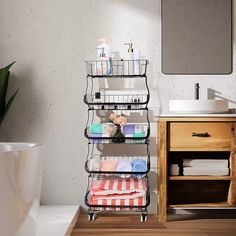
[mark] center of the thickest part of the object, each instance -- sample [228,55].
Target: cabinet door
[200,136]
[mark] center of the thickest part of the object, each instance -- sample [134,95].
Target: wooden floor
[181,225]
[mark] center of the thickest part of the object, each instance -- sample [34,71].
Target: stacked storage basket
[111,188]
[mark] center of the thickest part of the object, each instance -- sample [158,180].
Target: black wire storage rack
[102,103]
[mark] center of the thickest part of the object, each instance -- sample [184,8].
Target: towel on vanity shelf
[139,165]
[205,171]
[118,192]
[212,163]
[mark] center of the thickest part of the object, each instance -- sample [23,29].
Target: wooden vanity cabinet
[195,137]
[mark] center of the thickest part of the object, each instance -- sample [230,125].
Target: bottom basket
[117,194]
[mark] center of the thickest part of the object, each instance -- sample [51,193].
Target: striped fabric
[118,192]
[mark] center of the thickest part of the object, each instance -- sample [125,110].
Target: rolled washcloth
[139,165]
[109,165]
[94,164]
[205,171]
[213,163]
[124,165]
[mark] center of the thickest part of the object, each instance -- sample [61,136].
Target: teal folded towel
[139,165]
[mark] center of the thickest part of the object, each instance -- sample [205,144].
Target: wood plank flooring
[178,225]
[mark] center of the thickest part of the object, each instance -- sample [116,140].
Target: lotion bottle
[102,67]
[107,52]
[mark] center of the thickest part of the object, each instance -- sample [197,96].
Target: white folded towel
[213,163]
[205,171]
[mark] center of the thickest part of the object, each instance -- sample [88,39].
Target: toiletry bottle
[130,60]
[102,63]
[137,61]
[107,52]
[105,46]
[129,66]
[102,67]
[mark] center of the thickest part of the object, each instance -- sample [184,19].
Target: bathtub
[21,172]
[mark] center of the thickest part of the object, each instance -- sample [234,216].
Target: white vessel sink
[198,106]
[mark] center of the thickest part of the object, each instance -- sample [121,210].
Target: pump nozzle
[102,53]
[103,40]
[130,49]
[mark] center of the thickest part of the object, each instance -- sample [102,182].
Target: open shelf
[202,205]
[200,177]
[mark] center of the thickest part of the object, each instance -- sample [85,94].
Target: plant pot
[118,137]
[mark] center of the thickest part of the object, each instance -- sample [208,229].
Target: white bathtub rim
[25,146]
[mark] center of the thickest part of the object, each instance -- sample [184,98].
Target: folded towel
[214,163]
[129,129]
[96,129]
[118,192]
[129,188]
[139,165]
[205,171]
[109,165]
[124,165]
[122,203]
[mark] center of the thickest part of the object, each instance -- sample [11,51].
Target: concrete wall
[50,40]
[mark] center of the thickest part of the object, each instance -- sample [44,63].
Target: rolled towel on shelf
[205,171]
[94,164]
[213,163]
[109,165]
[124,165]
[139,165]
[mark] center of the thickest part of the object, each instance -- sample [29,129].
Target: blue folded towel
[139,165]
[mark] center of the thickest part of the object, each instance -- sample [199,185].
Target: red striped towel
[118,192]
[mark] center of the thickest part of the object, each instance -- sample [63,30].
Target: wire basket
[131,133]
[116,68]
[121,204]
[97,165]
[99,100]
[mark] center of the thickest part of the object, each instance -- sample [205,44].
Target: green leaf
[4,77]
[3,92]
[8,106]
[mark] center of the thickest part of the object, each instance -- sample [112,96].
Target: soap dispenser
[129,66]
[102,63]
[130,59]
[105,46]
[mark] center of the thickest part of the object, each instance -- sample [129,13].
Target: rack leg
[91,216]
[144,216]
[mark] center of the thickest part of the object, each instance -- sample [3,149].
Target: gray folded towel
[205,171]
[213,163]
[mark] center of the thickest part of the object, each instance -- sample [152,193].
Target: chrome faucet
[197,87]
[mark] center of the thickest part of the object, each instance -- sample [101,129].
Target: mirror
[196,36]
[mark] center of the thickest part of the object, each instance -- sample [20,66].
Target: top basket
[116,68]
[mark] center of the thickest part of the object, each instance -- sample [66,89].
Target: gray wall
[50,39]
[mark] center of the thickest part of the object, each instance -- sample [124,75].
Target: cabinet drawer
[200,136]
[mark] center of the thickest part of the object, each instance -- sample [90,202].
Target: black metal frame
[131,105]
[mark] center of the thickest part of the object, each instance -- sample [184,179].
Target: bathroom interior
[117,117]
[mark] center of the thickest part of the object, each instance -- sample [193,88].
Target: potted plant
[4,104]
[115,129]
